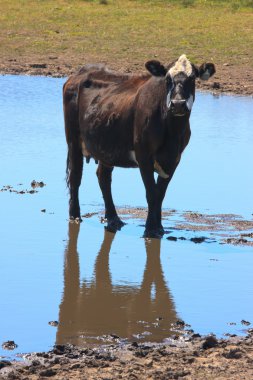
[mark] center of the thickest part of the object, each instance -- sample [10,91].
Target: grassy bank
[126,33]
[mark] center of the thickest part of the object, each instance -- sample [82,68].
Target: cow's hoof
[161,230]
[114,224]
[75,220]
[152,234]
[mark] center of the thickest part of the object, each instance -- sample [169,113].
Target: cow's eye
[192,79]
[170,83]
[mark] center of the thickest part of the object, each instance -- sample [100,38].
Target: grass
[127,33]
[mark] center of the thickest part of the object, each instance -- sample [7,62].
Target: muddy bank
[229,78]
[198,227]
[188,358]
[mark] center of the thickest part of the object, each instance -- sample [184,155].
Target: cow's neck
[176,125]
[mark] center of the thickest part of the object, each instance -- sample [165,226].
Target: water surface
[97,284]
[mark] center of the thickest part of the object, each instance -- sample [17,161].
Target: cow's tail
[74,155]
[67,170]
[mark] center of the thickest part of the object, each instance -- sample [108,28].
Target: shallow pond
[97,285]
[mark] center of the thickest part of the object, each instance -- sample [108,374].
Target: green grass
[127,33]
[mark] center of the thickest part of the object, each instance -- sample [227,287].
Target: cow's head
[180,79]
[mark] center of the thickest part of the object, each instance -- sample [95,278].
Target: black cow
[130,121]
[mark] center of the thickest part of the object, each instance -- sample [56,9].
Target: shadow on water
[99,311]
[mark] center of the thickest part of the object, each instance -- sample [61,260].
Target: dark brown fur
[111,115]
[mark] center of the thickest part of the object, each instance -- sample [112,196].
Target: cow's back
[106,112]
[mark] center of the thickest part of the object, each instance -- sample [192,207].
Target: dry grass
[125,33]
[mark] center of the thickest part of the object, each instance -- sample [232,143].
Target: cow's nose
[178,107]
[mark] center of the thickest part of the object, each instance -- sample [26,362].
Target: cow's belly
[109,155]
[109,140]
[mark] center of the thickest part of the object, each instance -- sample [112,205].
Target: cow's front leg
[147,173]
[161,188]
[104,174]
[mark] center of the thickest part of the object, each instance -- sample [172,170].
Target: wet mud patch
[195,358]
[218,228]
[34,185]
[9,345]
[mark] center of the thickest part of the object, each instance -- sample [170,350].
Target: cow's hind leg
[74,177]
[104,174]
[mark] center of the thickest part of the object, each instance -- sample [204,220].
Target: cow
[130,121]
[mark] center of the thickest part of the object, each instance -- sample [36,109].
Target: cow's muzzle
[178,107]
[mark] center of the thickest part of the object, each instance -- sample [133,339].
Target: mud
[34,185]
[189,358]
[9,345]
[229,78]
[221,228]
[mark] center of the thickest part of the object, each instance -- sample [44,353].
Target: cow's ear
[156,68]
[206,70]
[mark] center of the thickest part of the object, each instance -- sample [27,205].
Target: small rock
[53,323]
[210,342]
[189,359]
[172,238]
[198,240]
[180,323]
[48,372]
[141,353]
[246,323]
[38,65]
[149,363]
[75,366]
[235,353]
[196,336]
[9,345]
[4,363]
[89,214]
[59,349]
[114,336]
[35,184]
[216,85]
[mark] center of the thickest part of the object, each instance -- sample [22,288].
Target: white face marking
[168,101]
[182,65]
[160,171]
[189,102]
[132,156]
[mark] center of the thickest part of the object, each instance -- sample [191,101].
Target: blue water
[206,285]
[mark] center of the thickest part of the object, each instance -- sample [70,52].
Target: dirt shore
[189,358]
[229,78]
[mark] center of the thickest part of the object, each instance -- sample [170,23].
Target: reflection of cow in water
[100,308]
